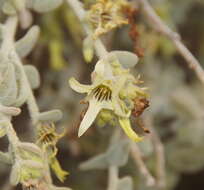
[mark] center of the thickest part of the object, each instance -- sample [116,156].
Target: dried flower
[47,140]
[105,15]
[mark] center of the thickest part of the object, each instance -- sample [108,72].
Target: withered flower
[106,15]
[47,139]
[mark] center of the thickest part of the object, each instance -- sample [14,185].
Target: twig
[136,155]
[159,151]
[112,178]
[162,28]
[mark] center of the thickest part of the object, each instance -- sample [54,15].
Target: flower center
[102,92]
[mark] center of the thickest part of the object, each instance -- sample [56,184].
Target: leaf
[51,116]
[26,44]
[42,6]
[97,162]
[116,155]
[126,58]
[8,86]
[33,76]
[22,91]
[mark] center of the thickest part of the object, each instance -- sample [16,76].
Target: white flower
[104,93]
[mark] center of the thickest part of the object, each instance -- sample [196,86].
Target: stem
[81,13]
[9,30]
[112,178]
[159,151]
[162,28]
[31,101]
[136,155]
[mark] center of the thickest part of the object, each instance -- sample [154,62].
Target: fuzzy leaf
[22,91]
[33,76]
[51,116]
[13,111]
[126,58]
[26,44]
[97,162]
[116,155]
[42,6]
[8,86]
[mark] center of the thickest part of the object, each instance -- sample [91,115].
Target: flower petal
[125,124]
[93,110]
[103,69]
[81,88]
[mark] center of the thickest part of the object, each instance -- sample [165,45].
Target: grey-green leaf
[33,76]
[8,86]
[42,6]
[116,155]
[126,58]
[51,116]
[97,162]
[26,44]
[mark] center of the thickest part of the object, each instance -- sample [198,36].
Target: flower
[47,140]
[105,15]
[111,89]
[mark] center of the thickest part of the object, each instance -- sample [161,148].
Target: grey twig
[136,156]
[159,152]
[162,28]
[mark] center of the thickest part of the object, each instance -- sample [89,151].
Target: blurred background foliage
[176,95]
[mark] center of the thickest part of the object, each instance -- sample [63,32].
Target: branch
[159,151]
[162,28]
[136,155]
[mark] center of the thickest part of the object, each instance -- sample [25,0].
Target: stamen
[102,92]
